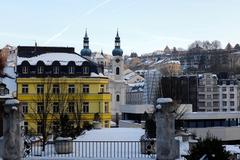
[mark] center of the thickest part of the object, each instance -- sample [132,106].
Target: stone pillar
[167,146]
[12,130]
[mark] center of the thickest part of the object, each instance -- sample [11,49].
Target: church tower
[86,52]
[117,60]
[117,86]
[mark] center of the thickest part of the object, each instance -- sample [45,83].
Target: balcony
[84,116]
[56,97]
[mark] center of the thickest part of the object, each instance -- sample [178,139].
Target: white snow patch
[113,134]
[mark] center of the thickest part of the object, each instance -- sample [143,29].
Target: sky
[144,25]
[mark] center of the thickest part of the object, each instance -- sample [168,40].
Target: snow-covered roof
[211,115]
[99,56]
[164,100]
[136,87]
[137,108]
[49,58]
[172,62]
[96,75]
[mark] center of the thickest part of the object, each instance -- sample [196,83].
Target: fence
[95,149]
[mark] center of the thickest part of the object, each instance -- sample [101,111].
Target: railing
[95,149]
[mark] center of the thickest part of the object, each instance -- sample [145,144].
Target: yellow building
[54,81]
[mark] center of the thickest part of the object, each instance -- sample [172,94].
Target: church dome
[86,52]
[117,52]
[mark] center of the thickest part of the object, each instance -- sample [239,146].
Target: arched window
[117,71]
[117,98]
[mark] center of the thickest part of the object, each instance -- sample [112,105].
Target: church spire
[86,51]
[117,51]
[117,41]
[86,33]
[86,40]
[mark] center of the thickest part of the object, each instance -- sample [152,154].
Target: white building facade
[117,85]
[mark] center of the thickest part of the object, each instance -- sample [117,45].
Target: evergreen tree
[211,147]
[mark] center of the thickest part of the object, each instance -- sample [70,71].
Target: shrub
[211,147]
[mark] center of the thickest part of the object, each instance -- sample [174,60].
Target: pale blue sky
[144,25]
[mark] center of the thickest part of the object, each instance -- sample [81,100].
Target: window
[71,88]
[71,107]
[117,71]
[55,69]
[232,109]
[231,89]
[209,96]
[106,107]
[85,107]
[24,70]
[56,89]
[215,104]
[25,107]
[209,104]
[24,89]
[40,107]
[201,96]
[55,126]
[224,96]
[39,127]
[215,96]
[208,82]
[85,70]
[25,127]
[224,103]
[40,69]
[208,89]
[102,88]
[231,96]
[85,88]
[55,107]
[224,110]
[231,103]
[71,69]
[117,98]
[40,89]
[224,89]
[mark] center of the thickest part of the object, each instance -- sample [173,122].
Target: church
[117,85]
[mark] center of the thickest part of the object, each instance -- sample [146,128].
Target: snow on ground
[106,143]
[234,149]
[112,134]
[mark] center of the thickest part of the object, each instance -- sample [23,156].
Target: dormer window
[55,69]
[85,70]
[25,70]
[71,69]
[40,69]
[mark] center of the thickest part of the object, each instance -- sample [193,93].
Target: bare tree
[70,109]
[216,44]
[41,111]
[3,59]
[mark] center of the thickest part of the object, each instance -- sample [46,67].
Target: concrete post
[167,146]
[12,131]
